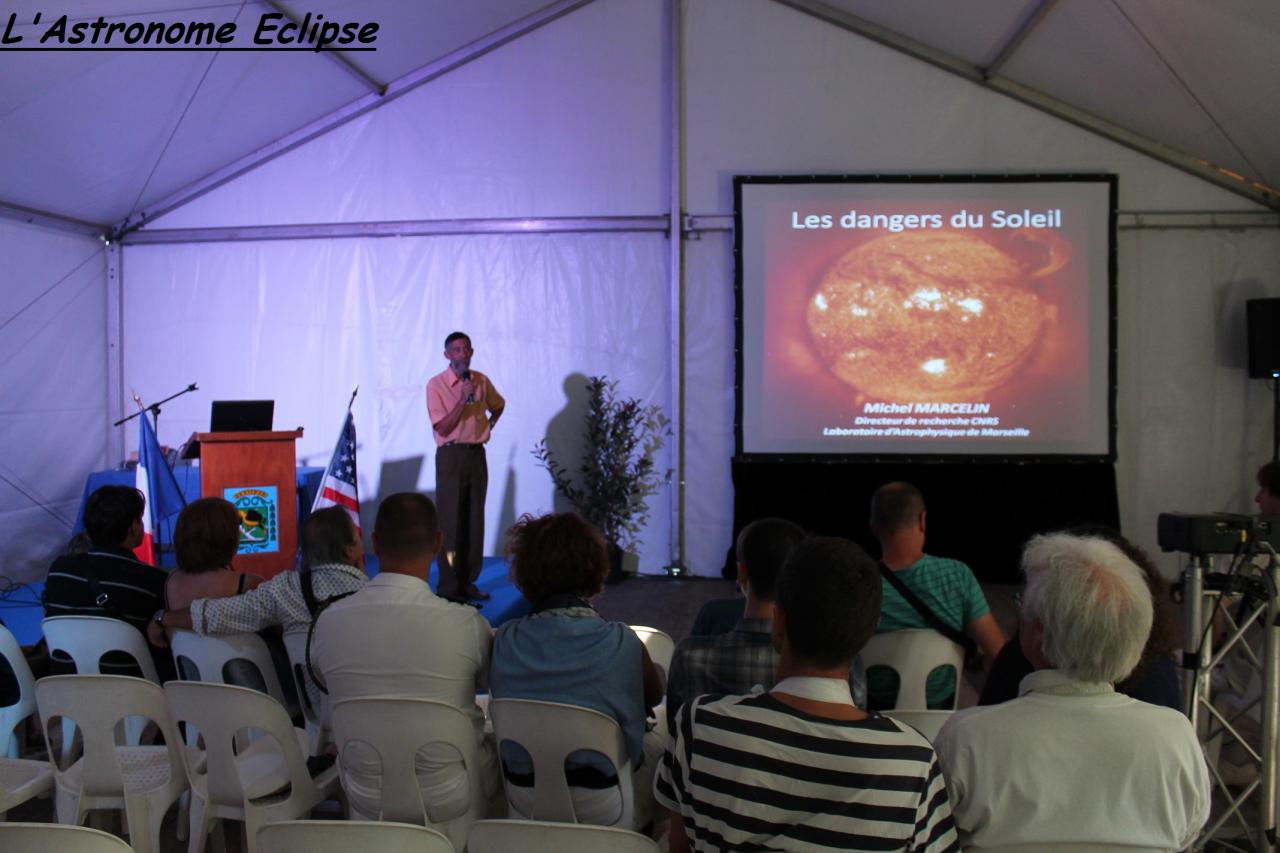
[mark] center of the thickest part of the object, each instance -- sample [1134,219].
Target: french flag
[154,478]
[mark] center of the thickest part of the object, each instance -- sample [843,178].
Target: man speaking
[463,406]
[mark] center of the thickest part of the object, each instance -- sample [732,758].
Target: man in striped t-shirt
[802,767]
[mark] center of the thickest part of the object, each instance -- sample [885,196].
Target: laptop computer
[241,415]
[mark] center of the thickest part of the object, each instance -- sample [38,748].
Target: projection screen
[925,316]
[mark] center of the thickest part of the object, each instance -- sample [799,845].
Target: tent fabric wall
[53,312]
[1194,428]
[770,90]
[305,322]
[570,121]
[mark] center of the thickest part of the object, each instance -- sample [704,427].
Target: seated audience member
[205,541]
[718,616]
[1155,678]
[1072,760]
[744,660]
[331,550]
[396,638]
[106,580]
[946,587]
[563,651]
[802,767]
[1268,496]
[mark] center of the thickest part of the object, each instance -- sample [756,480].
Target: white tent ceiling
[98,136]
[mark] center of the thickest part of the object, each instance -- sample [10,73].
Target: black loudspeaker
[1262,320]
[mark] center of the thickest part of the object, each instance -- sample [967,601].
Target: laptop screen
[241,415]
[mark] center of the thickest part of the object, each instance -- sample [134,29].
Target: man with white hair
[1071,759]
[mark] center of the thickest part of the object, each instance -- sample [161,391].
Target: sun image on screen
[960,320]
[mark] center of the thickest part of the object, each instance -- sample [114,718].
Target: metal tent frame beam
[1015,41]
[33,216]
[337,55]
[396,88]
[1170,156]
[401,228]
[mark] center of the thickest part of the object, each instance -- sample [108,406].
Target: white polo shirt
[1074,761]
[396,638]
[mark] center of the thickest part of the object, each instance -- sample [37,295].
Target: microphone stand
[154,408]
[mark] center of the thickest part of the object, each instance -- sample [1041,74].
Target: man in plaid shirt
[743,660]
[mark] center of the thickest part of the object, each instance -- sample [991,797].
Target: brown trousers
[462,478]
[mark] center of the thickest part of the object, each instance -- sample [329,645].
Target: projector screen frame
[1111,184]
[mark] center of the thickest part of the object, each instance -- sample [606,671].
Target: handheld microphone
[466,376]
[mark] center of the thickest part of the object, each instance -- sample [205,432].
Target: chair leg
[201,823]
[184,815]
[141,825]
[66,807]
[253,821]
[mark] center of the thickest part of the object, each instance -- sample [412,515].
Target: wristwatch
[158,618]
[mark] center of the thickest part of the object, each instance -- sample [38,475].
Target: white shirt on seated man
[1071,760]
[395,638]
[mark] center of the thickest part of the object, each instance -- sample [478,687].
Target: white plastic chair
[13,716]
[86,639]
[211,654]
[295,643]
[928,723]
[549,732]
[535,836]
[333,836]
[265,782]
[56,838]
[914,653]
[659,644]
[143,780]
[394,730]
[22,779]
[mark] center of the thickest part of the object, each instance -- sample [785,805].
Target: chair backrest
[220,712]
[344,836]
[396,729]
[549,731]
[928,723]
[659,644]
[536,836]
[85,639]
[25,705]
[295,644]
[913,654]
[212,656]
[96,703]
[59,838]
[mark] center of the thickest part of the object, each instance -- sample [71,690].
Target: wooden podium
[248,469]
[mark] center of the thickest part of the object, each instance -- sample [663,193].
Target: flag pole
[354,392]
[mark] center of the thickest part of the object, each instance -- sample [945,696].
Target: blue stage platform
[21,611]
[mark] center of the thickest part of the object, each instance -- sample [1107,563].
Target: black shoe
[474,593]
[457,600]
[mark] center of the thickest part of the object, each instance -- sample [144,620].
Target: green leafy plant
[617,474]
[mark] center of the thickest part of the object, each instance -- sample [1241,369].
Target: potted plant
[617,473]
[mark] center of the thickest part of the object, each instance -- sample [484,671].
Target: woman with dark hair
[1154,679]
[563,651]
[205,540]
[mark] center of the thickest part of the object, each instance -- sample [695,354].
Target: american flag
[339,485]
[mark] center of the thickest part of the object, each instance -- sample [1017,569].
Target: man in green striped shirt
[947,587]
